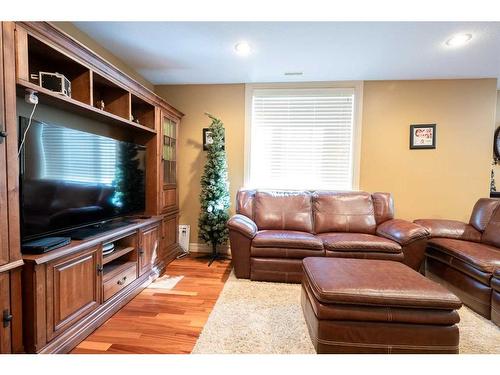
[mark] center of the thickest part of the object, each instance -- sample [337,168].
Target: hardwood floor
[163,321]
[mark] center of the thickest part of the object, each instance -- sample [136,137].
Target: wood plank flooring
[163,321]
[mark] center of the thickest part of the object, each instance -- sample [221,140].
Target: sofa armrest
[402,231]
[243,225]
[450,229]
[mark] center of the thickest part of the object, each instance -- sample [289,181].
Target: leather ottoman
[495,297]
[376,306]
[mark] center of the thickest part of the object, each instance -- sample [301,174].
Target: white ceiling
[203,52]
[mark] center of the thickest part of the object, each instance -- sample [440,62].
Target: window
[302,139]
[76,156]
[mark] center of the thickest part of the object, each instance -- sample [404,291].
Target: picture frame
[422,136]
[207,139]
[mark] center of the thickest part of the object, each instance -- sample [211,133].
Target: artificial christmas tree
[214,196]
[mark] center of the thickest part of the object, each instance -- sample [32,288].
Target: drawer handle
[122,281]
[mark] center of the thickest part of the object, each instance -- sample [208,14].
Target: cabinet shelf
[119,252]
[49,97]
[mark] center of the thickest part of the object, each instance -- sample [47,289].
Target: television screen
[71,178]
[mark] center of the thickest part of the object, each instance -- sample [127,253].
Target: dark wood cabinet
[73,289]
[10,254]
[70,291]
[168,170]
[148,248]
[56,299]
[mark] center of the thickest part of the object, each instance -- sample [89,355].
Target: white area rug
[261,317]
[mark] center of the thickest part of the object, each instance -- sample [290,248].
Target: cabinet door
[169,131]
[5,324]
[148,248]
[170,233]
[73,289]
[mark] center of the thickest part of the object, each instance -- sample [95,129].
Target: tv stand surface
[97,229]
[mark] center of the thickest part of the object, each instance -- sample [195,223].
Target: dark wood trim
[11,265]
[11,125]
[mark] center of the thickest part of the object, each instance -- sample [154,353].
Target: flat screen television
[72,179]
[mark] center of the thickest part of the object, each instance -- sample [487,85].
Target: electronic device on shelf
[44,245]
[55,82]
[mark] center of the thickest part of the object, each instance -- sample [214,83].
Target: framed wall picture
[422,136]
[207,139]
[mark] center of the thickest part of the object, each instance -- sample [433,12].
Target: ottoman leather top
[375,283]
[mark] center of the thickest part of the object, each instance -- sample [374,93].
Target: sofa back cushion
[482,213]
[343,212]
[491,234]
[283,210]
[383,205]
[244,202]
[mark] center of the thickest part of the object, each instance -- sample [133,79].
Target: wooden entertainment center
[51,302]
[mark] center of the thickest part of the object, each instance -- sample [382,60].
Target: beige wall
[85,39]
[224,101]
[441,183]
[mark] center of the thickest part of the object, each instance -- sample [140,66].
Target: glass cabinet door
[169,151]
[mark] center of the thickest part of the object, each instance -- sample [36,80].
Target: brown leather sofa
[495,297]
[274,230]
[463,256]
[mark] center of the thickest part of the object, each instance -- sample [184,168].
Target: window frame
[356,86]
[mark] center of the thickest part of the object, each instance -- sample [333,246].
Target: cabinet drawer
[119,280]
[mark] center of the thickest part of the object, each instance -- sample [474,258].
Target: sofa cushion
[383,205]
[491,234]
[286,210]
[354,242]
[483,257]
[288,239]
[343,212]
[482,213]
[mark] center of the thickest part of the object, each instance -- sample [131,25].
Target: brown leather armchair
[274,230]
[463,256]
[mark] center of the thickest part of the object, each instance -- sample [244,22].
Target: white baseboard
[195,247]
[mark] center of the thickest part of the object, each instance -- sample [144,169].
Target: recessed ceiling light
[242,48]
[459,40]
[293,73]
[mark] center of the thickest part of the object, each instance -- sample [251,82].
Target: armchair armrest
[402,231]
[243,225]
[450,229]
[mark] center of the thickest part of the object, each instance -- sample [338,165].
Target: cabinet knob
[99,268]
[7,318]
[141,251]
[3,134]
[122,281]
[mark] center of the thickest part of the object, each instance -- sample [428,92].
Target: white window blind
[302,139]
[77,156]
